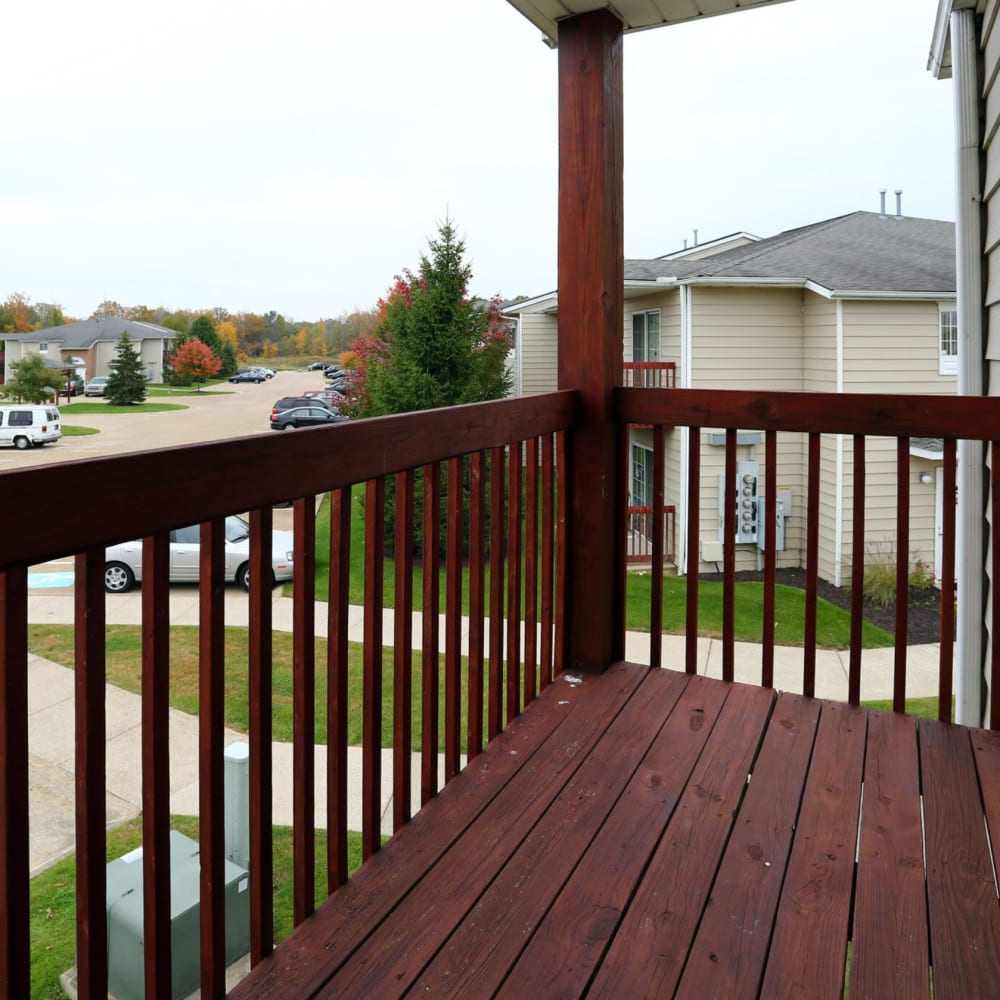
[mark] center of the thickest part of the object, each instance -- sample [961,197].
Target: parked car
[329,396]
[312,414]
[123,562]
[266,372]
[27,425]
[96,386]
[289,402]
[72,387]
[318,365]
[331,369]
[248,376]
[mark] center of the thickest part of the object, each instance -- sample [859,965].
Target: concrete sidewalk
[51,721]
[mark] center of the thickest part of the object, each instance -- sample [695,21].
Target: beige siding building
[861,303]
[89,346]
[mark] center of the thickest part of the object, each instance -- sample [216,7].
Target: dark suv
[290,402]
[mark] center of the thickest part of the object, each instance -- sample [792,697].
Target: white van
[27,424]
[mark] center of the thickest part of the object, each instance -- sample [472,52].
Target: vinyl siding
[746,338]
[819,343]
[538,357]
[893,347]
[990,44]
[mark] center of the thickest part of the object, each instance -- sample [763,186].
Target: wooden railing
[641,527]
[489,480]
[860,418]
[510,459]
[649,374]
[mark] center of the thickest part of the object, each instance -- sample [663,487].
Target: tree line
[253,335]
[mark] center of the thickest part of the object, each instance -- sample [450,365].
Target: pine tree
[440,348]
[127,379]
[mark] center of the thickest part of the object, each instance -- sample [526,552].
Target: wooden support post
[591,277]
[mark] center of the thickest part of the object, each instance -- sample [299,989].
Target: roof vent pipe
[881,211]
[899,203]
[696,237]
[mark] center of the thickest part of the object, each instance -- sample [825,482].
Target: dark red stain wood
[889,957]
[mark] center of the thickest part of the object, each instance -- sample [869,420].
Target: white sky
[296,155]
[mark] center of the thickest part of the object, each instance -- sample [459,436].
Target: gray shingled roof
[860,252]
[83,335]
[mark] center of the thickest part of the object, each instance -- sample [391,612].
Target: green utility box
[126,977]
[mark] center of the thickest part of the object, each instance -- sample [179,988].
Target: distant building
[89,346]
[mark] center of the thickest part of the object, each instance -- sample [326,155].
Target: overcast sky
[296,155]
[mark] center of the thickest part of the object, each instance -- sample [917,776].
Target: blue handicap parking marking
[36,581]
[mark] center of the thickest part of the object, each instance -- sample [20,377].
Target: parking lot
[231,411]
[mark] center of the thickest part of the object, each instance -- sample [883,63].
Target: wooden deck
[651,833]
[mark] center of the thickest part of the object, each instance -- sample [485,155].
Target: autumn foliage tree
[195,361]
[433,345]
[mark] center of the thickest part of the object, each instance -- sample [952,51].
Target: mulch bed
[923,618]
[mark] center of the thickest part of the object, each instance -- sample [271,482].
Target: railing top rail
[130,496]
[875,414]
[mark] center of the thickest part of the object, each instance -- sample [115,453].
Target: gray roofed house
[860,252]
[89,346]
[864,302]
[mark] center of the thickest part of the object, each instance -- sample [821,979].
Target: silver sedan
[123,562]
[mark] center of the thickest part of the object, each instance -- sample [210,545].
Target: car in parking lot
[248,376]
[313,413]
[266,372]
[123,562]
[29,425]
[96,386]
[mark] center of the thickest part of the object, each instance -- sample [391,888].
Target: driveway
[236,411]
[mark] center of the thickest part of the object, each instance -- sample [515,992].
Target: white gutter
[971,551]
[838,487]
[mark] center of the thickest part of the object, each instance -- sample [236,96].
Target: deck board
[815,906]
[961,888]
[651,833]
[889,957]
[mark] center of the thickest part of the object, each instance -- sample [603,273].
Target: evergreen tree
[127,381]
[439,347]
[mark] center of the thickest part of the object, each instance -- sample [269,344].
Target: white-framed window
[948,341]
[646,336]
[642,477]
[43,347]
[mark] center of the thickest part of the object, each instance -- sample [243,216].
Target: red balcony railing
[649,374]
[478,493]
[502,463]
[641,531]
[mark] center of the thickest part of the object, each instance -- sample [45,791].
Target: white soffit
[635,15]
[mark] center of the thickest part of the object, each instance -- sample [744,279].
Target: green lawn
[124,670]
[53,897]
[76,409]
[833,628]
[73,430]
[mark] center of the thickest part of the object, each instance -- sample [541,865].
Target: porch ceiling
[635,15]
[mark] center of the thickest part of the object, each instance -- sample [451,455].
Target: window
[948,343]
[43,347]
[646,336]
[642,477]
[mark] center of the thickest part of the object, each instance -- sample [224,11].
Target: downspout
[838,487]
[685,383]
[970,548]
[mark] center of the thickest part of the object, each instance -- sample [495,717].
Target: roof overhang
[635,15]
[939,59]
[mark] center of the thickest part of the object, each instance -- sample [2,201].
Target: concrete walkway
[51,722]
